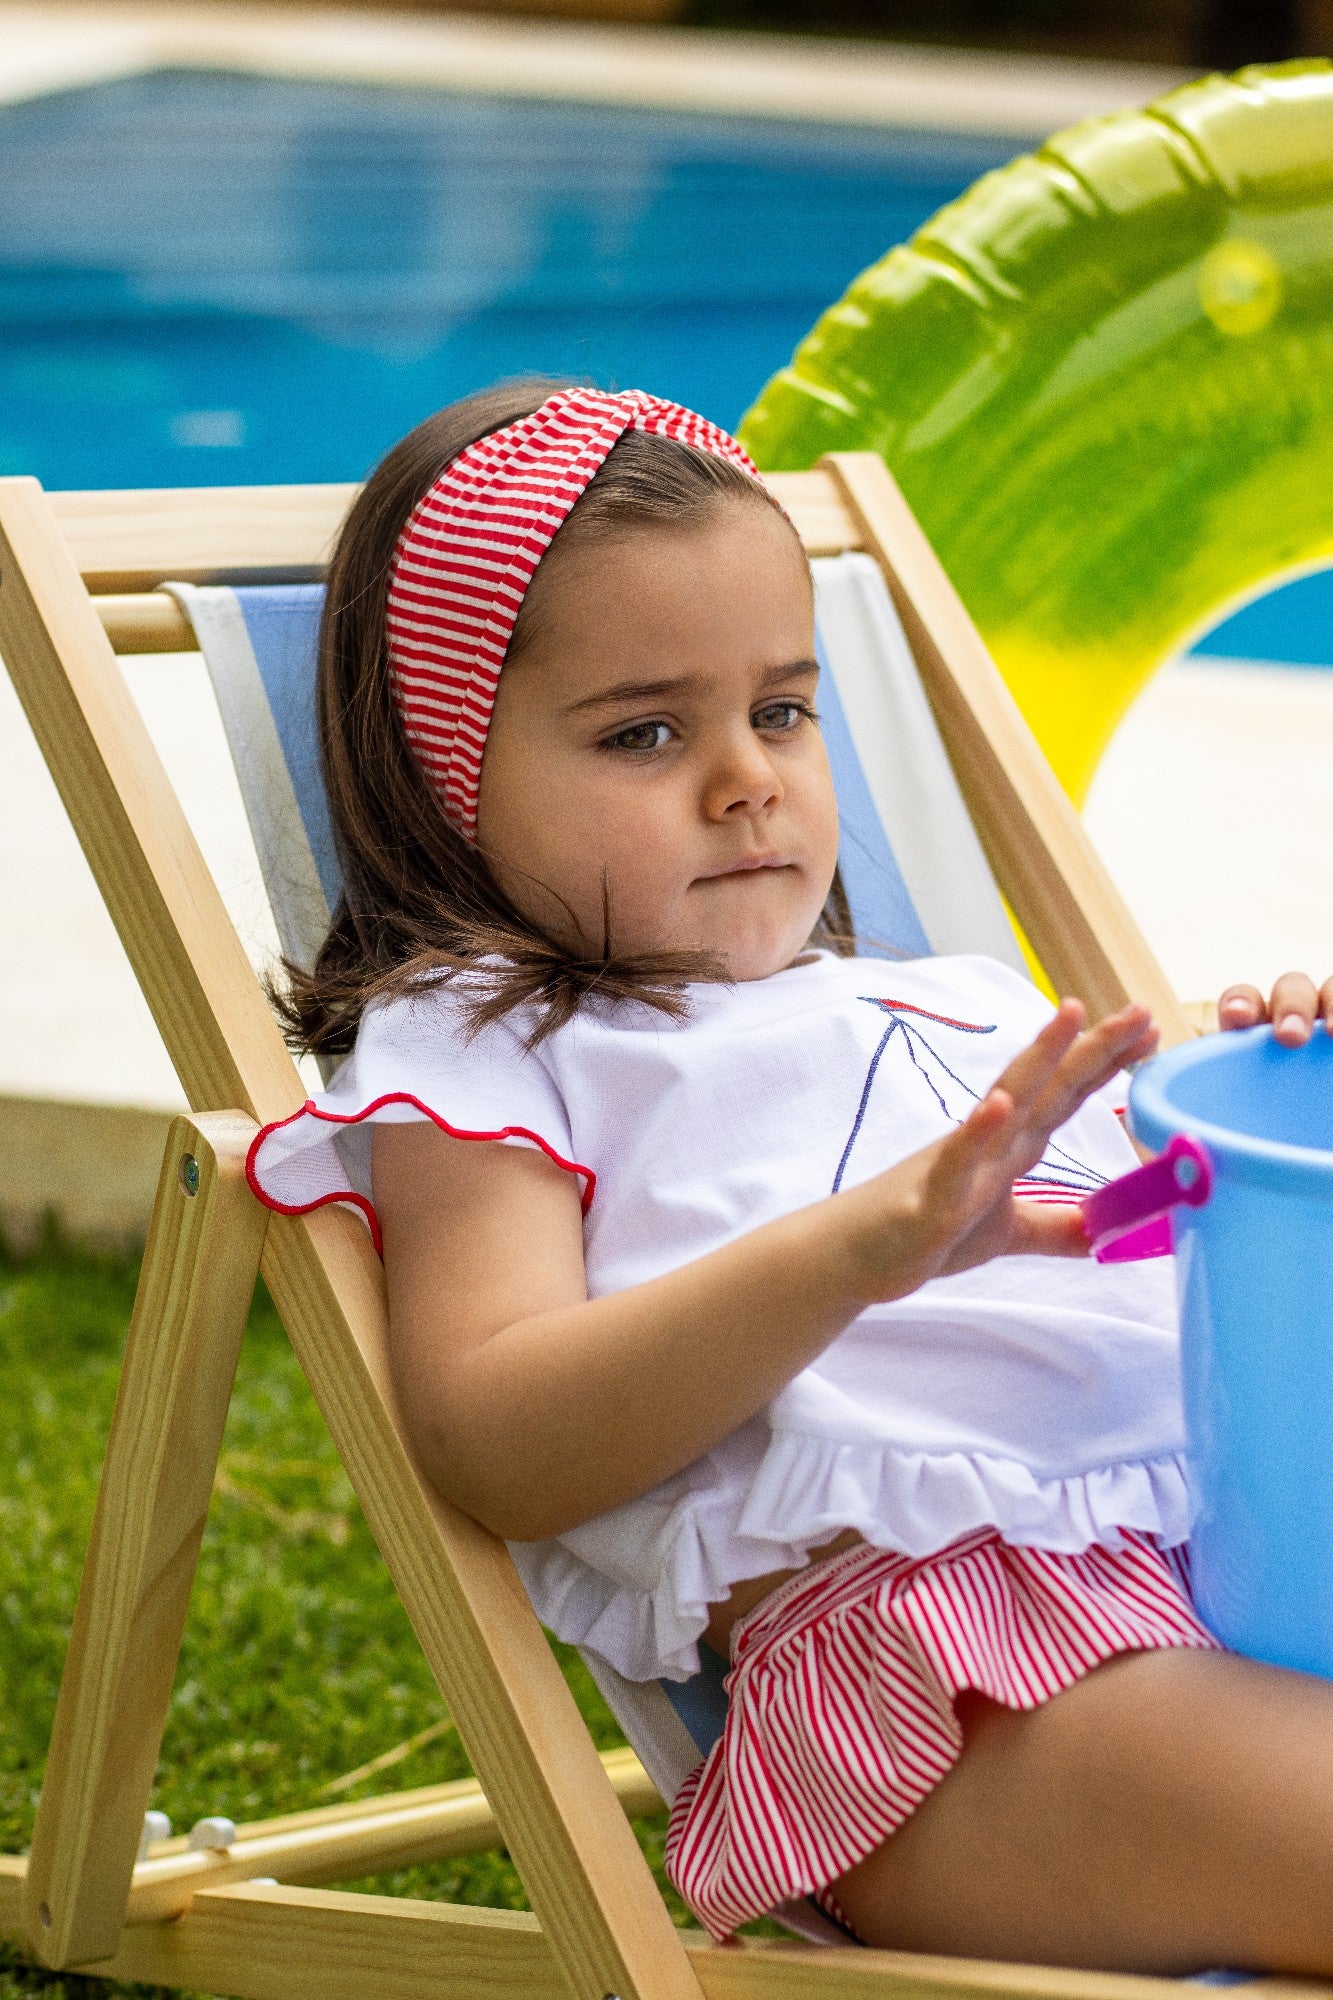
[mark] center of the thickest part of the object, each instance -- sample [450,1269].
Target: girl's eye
[639,737]
[782,715]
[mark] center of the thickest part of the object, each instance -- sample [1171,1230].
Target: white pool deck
[58,47]
[1213,807]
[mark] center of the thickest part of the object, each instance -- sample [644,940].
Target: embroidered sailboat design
[1058,1175]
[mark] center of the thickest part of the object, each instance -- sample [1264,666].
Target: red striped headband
[469,551]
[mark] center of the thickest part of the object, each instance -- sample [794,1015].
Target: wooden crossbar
[466,1821]
[127,543]
[264,1942]
[339,1843]
[201,534]
[130,542]
[145,621]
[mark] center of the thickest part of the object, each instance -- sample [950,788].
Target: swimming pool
[207,277]
[211,279]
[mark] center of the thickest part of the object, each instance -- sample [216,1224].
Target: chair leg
[193,1299]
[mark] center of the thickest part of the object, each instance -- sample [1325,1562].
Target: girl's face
[654,752]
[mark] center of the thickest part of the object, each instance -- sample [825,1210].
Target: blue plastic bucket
[1254,1273]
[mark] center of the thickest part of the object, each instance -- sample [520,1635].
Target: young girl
[767,1324]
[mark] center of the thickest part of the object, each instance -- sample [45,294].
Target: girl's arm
[534,1408]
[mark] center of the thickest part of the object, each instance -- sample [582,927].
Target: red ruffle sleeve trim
[350,1198]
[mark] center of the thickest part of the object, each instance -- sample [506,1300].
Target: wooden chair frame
[78,581]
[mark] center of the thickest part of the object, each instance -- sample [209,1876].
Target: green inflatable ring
[1104,379]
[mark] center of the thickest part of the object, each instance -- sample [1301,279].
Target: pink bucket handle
[1131,1218]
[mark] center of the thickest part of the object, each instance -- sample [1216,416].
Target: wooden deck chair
[79,578]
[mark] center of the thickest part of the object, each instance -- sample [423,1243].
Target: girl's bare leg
[1171,1812]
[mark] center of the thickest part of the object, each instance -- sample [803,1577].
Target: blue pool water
[209,279]
[1293,624]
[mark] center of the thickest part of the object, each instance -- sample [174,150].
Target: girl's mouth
[746,866]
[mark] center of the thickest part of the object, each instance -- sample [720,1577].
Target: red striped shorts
[842,1687]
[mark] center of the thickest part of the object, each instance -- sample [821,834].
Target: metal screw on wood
[190,1174]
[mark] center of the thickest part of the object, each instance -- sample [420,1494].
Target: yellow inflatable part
[1104,379]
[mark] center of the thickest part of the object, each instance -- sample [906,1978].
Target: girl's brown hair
[418,903]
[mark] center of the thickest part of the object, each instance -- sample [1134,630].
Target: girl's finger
[983,1137]
[1042,1229]
[1026,1229]
[1121,1030]
[1093,1062]
[1090,1063]
[1326,1004]
[1088,1068]
[971,1168]
[1241,1007]
[1033,1066]
[1042,1086]
[1112,1043]
[1292,1009]
[991,1113]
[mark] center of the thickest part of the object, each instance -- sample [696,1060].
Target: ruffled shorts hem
[841,1717]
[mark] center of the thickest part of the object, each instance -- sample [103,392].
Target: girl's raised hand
[1293,1007]
[952,1205]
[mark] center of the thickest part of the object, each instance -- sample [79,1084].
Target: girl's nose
[742,779]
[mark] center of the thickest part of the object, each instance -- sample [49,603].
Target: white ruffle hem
[648,1619]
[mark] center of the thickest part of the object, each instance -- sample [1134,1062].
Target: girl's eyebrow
[686,684]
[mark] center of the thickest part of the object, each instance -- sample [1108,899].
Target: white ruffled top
[1036,1396]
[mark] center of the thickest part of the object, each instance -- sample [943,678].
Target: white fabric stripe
[907,768]
[418,714]
[665,1747]
[291,878]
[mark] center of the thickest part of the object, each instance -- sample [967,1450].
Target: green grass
[298,1663]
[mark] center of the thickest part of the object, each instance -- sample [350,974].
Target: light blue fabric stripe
[283,624]
[701,1702]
